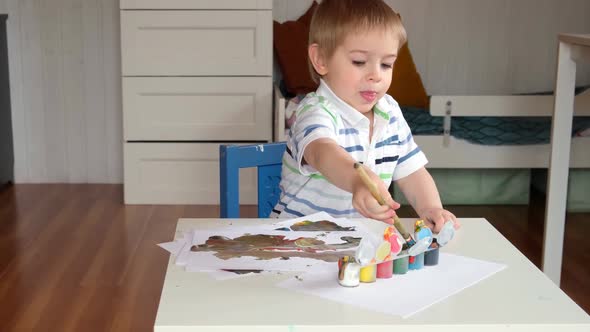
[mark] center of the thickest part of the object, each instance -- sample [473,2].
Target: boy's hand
[364,202]
[437,218]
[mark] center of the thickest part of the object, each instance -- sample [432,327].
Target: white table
[572,48]
[519,298]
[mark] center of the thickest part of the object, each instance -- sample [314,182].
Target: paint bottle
[368,273]
[348,272]
[423,236]
[416,262]
[400,265]
[385,270]
[431,256]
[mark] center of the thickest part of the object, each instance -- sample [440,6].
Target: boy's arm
[334,163]
[420,190]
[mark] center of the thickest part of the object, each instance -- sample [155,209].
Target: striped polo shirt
[392,153]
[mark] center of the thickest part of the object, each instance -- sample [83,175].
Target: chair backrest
[267,158]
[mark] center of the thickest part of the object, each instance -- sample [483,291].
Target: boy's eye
[358,63]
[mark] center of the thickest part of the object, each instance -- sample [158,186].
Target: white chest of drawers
[195,74]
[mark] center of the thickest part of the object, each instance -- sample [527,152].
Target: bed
[508,165]
[447,151]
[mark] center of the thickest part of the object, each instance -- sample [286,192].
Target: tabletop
[576,39]
[519,297]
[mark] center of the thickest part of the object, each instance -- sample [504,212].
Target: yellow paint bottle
[368,273]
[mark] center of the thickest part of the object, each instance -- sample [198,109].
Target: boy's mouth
[369,96]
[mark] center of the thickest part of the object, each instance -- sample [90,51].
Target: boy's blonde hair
[333,20]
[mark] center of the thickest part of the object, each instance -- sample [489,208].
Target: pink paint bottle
[385,270]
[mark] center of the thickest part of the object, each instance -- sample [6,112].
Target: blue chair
[267,158]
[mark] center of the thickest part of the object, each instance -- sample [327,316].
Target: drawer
[178,173]
[197,108]
[196,43]
[193,4]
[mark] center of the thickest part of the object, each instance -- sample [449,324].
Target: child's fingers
[374,207]
[450,216]
[387,197]
[360,206]
[391,203]
[368,214]
[378,212]
[434,219]
[370,208]
[437,221]
[383,216]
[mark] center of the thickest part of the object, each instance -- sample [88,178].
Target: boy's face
[360,69]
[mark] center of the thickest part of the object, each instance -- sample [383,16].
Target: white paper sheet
[313,217]
[227,275]
[209,263]
[209,260]
[203,261]
[200,236]
[175,247]
[415,289]
[184,253]
[172,247]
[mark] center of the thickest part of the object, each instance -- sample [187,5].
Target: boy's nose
[374,75]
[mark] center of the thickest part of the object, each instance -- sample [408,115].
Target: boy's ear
[317,59]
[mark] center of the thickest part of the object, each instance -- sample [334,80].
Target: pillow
[290,44]
[406,86]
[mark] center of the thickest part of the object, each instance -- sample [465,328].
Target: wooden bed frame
[445,151]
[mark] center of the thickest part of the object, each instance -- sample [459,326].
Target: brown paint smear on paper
[322,225]
[263,246]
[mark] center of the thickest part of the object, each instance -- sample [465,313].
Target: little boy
[352,49]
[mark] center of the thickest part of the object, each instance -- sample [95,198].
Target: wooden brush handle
[401,229]
[375,192]
[369,183]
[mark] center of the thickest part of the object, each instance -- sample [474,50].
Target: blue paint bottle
[431,256]
[416,262]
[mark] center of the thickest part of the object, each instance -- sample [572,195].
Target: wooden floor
[74,258]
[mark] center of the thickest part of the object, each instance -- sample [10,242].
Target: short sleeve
[314,120]
[411,157]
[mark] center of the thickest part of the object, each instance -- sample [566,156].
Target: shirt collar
[348,113]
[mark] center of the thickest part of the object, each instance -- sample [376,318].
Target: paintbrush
[377,195]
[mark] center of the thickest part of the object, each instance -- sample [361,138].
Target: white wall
[482,46]
[65,69]
[65,90]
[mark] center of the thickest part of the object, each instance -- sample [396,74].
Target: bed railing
[509,105]
[504,106]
